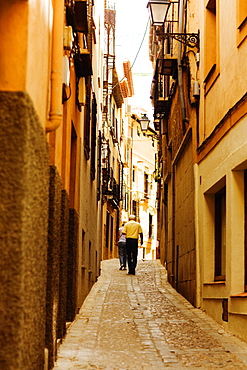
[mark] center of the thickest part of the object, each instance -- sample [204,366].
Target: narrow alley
[141,322]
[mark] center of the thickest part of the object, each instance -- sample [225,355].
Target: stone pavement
[141,323]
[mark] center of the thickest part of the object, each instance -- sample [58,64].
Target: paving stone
[141,323]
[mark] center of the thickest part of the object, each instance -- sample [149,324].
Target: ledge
[240,295]
[222,282]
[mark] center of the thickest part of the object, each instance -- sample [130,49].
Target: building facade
[111,164]
[138,150]
[199,95]
[51,89]
[175,116]
[62,113]
[221,163]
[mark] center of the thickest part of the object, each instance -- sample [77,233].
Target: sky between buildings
[131,26]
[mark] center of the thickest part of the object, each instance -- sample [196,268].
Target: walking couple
[128,244]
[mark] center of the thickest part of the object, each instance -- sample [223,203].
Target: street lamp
[144,122]
[146,129]
[158,11]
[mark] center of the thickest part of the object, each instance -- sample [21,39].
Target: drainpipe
[180,70]
[55,113]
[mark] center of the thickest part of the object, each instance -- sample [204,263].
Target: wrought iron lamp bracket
[190,39]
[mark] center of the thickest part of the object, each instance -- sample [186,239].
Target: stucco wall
[24,174]
[230,81]
[224,166]
[25,35]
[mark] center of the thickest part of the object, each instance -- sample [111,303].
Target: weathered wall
[222,157]
[53,263]
[178,195]
[25,29]
[72,265]
[228,81]
[185,256]
[61,329]
[24,179]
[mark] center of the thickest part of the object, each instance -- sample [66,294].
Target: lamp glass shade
[144,122]
[158,11]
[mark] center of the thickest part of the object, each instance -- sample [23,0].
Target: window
[220,234]
[241,21]
[134,175]
[135,208]
[245,227]
[83,248]
[99,167]
[87,118]
[93,137]
[73,155]
[163,86]
[211,43]
[127,153]
[150,226]
[89,256]
[242,13]
[114,124]
[107,229]
[120,176]
[125,199]
[111,232]
[145,184]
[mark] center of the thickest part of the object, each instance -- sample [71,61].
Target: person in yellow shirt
[132,229]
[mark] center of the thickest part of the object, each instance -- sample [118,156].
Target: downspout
[55,113]
[180,70]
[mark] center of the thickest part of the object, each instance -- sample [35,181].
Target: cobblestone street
[140,323]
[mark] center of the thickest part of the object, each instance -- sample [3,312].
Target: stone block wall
[72,265]
[53,263]
[24,182]
[61,327]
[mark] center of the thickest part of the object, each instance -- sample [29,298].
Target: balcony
[110,187]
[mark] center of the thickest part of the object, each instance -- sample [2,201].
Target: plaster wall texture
[25,32]
[227,155]
[230,80]
[229,161]
[238,325]
[24,179]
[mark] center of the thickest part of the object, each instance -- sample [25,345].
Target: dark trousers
[122,253]
[132,250]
